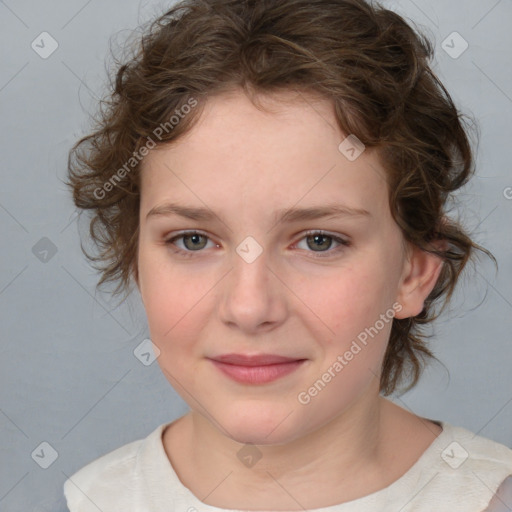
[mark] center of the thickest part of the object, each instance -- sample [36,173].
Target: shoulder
[114,478]
[475,452]
[502,498]
[466,467]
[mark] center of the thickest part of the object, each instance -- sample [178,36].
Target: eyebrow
[282,215]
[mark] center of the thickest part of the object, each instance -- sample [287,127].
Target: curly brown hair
[366,59]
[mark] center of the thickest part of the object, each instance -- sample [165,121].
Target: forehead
[283,153]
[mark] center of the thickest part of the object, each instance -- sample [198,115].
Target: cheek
[175,313]
[346,302]
[352,322]
[358,311]
[173,300]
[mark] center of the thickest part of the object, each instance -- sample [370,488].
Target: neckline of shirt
[163,486]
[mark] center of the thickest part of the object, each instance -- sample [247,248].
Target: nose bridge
[251,269]
[252,294]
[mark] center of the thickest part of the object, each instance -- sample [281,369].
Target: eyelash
[190,254]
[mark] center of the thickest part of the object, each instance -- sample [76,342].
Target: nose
[253,296]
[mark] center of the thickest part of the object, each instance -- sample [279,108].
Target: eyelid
[342,241]
[169,240]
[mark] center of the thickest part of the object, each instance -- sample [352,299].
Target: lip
[256,369]
[253,360]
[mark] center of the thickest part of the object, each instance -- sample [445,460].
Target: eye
[195,241]
[323,241]
[191,240]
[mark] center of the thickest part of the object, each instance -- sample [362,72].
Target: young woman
[273,176]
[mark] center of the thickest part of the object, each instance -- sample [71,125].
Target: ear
[420,273]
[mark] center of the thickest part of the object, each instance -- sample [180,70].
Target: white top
[457,472]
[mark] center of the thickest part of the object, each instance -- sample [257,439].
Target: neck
[333,464]
[349,440]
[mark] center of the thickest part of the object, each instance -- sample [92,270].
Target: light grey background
[68,373]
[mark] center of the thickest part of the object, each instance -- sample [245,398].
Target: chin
[262,425]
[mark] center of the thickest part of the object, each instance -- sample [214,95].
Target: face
[248,281]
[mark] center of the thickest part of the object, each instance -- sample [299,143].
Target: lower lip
[257,374]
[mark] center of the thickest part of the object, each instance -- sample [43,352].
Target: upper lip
[253,360]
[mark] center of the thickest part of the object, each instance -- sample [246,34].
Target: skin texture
[295,299]
[502,500]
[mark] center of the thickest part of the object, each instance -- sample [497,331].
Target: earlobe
[421,272]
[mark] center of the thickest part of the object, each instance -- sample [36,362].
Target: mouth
[256,369]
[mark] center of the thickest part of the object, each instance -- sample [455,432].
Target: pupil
[194,238]
[317,238]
